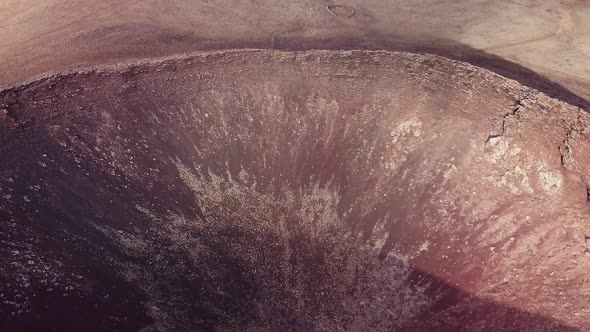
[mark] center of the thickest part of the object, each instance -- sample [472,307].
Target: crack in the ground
[512,113]
[566,159]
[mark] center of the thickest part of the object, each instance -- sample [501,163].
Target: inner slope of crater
[276,190]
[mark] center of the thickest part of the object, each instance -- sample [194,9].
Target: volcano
[292,191]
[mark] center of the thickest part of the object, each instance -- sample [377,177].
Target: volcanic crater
[274,190]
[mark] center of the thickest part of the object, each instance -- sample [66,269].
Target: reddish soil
[272,190]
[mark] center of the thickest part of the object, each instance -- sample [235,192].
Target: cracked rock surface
[268,190]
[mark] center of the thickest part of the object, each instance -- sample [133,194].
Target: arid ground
[188,166]
[548,37]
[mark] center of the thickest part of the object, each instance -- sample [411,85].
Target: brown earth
[529,40]
[270,190]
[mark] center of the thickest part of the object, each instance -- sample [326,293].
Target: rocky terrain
[520,39]
[270,190]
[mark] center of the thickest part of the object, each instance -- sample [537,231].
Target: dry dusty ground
[547,36]
[287,190]
[306,191]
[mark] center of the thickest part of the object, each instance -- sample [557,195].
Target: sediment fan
[319,190]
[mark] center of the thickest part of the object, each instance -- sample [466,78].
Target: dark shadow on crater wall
[85,195]
[460,311]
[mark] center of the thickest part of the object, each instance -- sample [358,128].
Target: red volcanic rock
[292,191]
